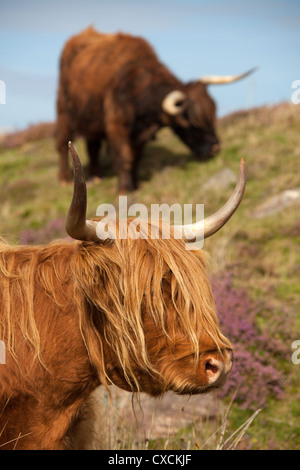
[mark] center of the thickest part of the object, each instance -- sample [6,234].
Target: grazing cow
[113,87]
[136,313]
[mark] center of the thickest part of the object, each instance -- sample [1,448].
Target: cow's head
[150,303]
[192,114]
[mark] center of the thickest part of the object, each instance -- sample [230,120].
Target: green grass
[266,251]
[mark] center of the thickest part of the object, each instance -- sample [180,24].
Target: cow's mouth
[208,151]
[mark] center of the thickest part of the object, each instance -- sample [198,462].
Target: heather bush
[33,133]
[292,231]
[52,231]
[258,353]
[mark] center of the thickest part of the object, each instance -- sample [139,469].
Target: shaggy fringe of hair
[117,278]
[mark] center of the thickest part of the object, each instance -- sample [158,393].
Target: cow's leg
[63,135]
[117,132]
[93,148]
[124,165]
[138,152]
[124,159]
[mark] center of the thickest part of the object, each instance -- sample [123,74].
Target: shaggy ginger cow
[138,314]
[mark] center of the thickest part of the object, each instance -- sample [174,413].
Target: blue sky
[192,37]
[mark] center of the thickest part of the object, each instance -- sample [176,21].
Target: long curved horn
[174,102]
[219,79]
[76,224]
[207,227]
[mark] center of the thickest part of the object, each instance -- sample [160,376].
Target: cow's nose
[216,370]
[215,148]
[228,362]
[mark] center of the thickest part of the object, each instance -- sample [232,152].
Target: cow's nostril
[211,367]
[215,148]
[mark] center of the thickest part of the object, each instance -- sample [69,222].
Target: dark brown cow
[113,87]
[137,313]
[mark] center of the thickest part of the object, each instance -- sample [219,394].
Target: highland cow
[112,87]
[135,313]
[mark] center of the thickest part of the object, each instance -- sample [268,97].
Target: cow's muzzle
[215,149]
[216,369]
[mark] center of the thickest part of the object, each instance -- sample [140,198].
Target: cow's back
[92,64]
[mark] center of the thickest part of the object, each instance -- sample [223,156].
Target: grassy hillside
[261,256]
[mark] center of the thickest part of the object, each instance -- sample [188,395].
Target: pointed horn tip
[74,154]
[242,178]
[252,70]
[242,165]
[72,149]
